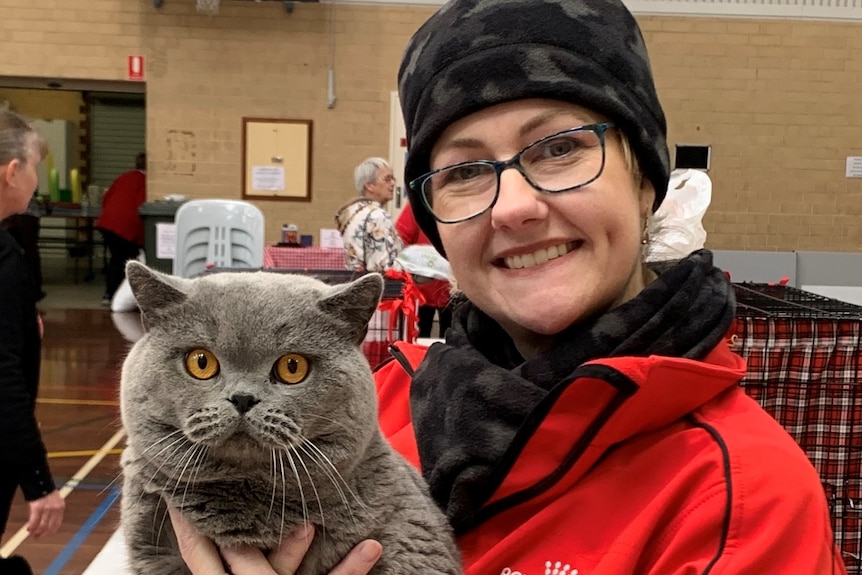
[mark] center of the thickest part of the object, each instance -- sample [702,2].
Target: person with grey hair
[584,415]
[370,240]
[23,457]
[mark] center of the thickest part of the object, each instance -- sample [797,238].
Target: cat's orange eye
[290,368]
[201,364]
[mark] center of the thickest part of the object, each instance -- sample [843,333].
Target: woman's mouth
[539,256]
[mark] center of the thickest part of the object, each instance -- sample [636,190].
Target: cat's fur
[308,451]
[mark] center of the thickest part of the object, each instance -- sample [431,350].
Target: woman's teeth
[539,256]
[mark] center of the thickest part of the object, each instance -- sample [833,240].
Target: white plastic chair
[219,233]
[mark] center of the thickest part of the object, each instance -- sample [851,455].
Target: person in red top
[121,226]
[584,415]
[435,291]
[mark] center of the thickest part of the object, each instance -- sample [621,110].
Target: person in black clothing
[24,227]
[23,457]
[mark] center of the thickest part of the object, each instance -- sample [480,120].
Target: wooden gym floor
[78,411]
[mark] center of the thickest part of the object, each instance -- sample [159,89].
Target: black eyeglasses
[560,162]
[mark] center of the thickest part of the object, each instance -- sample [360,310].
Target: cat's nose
[243,401]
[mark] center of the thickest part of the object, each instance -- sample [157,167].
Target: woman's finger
[198,552]
[360,560]
[246,560]
[285,559]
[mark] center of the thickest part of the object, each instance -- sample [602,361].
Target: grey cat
[250,408]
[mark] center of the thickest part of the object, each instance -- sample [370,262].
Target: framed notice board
[276,159]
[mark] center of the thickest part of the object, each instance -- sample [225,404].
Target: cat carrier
[805,369]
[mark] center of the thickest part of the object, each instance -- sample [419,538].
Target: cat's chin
[242,445]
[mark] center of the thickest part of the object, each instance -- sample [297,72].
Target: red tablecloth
[303,258]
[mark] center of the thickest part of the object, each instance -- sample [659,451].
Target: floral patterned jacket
[370,240]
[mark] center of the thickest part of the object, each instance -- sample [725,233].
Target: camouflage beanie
[473,54]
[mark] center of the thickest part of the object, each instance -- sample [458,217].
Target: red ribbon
[408,305]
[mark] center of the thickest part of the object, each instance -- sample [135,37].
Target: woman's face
[600,226]
[20,181]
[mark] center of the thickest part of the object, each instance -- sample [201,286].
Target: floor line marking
[54,401]
[92,521]
[84,453]
[67,488]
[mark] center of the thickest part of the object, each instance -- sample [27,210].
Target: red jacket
[120,206]
[687,475]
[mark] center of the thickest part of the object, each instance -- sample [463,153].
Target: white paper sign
[166,241]
[331,238]
[854,167]
[269,178]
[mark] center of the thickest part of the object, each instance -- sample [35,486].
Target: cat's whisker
[151,446]
[284,496]
[113,481]
[332,479]
[327,470]
[161,523]
[199,449]
[330,420]
[301,494]
[204,453]
[167,459]
[272,462]
[313,487]
[187,457]
[165,438]
[184,461]
[331,466]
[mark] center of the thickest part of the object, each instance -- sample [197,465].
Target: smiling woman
[584,412]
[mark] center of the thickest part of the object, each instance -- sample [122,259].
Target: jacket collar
[605,403]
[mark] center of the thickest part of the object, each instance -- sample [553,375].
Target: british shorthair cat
[250,408]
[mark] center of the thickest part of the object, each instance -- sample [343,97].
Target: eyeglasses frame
[600,129]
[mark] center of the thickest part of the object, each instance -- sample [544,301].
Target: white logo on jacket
[557,568]
[551,568]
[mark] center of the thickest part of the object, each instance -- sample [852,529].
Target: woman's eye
[201,364]
[558,147]
[290,368]
[462,174]
[467,172]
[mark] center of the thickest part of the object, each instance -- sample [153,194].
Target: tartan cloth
[383,330]
[807,373]
[303,258]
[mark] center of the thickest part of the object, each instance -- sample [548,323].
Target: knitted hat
[473,54]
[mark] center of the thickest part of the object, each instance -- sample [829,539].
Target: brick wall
[776,100]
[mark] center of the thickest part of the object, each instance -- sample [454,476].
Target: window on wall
[695,157]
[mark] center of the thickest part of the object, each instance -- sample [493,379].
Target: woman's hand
[203,558]
[46,514]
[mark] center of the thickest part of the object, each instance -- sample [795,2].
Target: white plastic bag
[124,299]
[423,261]
[677,228]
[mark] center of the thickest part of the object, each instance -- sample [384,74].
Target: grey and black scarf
[469,397]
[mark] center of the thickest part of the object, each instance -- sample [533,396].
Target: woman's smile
[537,257]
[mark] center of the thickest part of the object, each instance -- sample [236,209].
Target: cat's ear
[355,303]
[154,291]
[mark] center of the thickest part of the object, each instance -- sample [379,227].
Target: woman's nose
[518,203]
